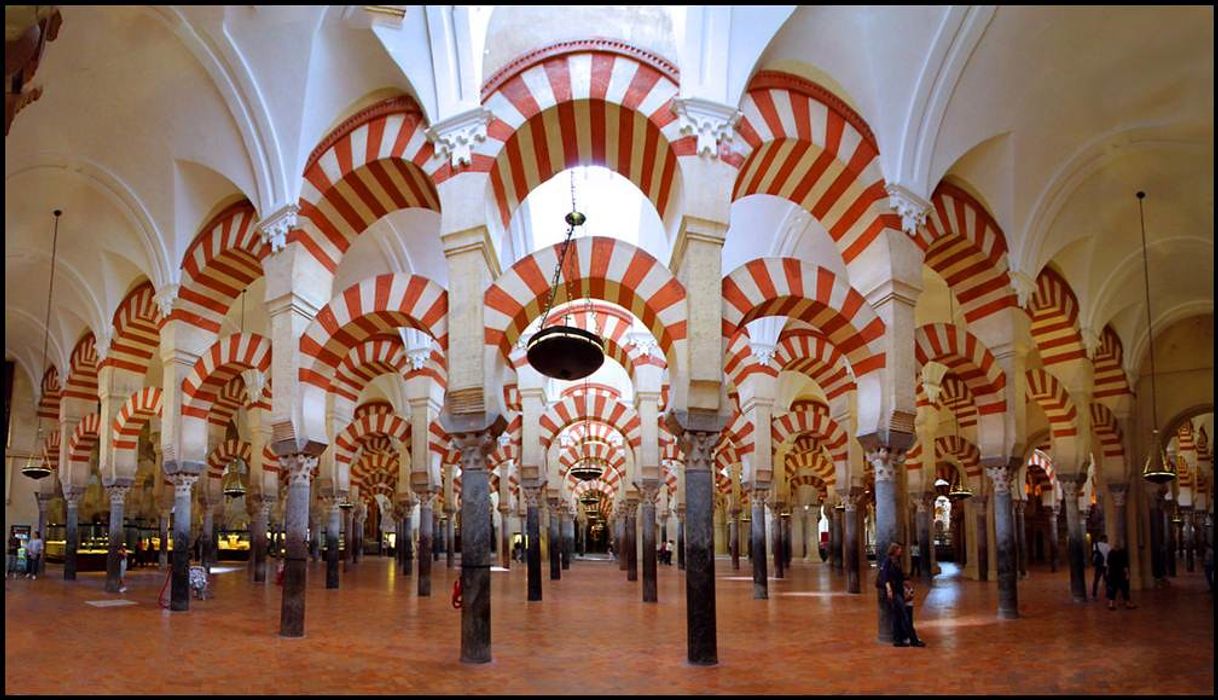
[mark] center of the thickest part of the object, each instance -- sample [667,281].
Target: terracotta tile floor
[593,635]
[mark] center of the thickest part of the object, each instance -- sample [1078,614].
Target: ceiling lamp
[231,484]
[565,351]
[959,490]
[345,503]
[36,464]
[588,469]
[589,499]
[1158,468]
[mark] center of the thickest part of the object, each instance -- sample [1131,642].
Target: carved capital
[645,343]
[1069,487]
[697,447]
[275,228]
[911,208]
[118,493]
[1023,285]
[532,495]
[299,467]
[883,463]
[1000,471]
[182,481]
[1118,492]
[710,121]
[455,137]
[852,498]
[650,490]
[165,298]
[474,448]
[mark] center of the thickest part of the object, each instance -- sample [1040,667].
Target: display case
[92,548]
[233,545]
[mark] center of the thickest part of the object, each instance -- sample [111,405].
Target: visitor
[915,559]
[1118,576]
[141,553]
[122,568]
[909,606]
[33,555]
[14,561]
[891,579]
[1099,559]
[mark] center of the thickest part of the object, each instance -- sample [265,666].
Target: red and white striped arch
[231,397]
[510,451]
[1109,377]
[387,424]
[370,308]
[954,395]
[599,268]
[383,354]
[964,244]
[373,406]
[373,163]
[225,452]
[49,395]
[611,323]
[375,444]
[83,440]
[809,404]
[223,259]
[964,451]
[1054,312]
[1104,425]
[1055,401]
[806,145]
[595,388]
[809,353]
[819,425]
[82,370]
[137,331]
[591,102]
[131,419]
[815,462]
[967,358]
[601,408]
[376,470]
[791,287]
[50,449]
[1040,469]
[594,430]
[739,363]
[583,487]
[225,359]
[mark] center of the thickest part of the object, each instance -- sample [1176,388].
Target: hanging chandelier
[565,351]
[959,490]
[1158,468]
[589,499]
[231,484]
[36,466]
[588,469]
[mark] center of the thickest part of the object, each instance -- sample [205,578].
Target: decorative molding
[182,482]
[455,137]
[764,352]
[275,228]
[645,343]
[300,467]
[165,298]
[526,61]
[912,208]
[393,105]
[1024,287]
[712,122]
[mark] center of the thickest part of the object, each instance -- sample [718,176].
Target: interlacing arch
[1040,469]
[590,102]
[1055,401]
[597,268]
[131,419]
[218,365]
[1054,312]
[49,395]
[954,395]
[231,397]
[739,363]
[223,259]
[50,449]
[813,461]
[964,451]
[819,425]
[383,354]
[598,407]
[805,145]
[137,331]
[82,370]
[376,472]
[370,165]
[1109,377]
[388,424]
[968,249]
[791,287]
[967,358]
[809,353]
[83,440]
[1106,428]
[225,452]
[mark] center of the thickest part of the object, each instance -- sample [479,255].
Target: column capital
[650,490]
[1118,491]
[43,499]
[300,467]
[886,450]
[1069,487]
[1019,504]
[275,227]
[118,492]
[910,207]
[165,298]
[711,122]
[852,498]
[532,494]
[1001,470]
[455,137]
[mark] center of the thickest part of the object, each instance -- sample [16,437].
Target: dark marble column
[532,499]
[681,538]
[758,497]
[41,500]
[407,543]
[335,514]
[475,541]
[1054,536]
[1075,550]
[505,538]
[779,556]
[437,533]
[983,540]
[567,524]
[450,531]
[924,507]
[837,538]
[850,545]
[1001,471]
[1169,552]
[1187,538]
[553,542]
[315,534]
[348,530]
[632,542]
[426,529]
[163,532]
[361,519]
[179,594]
[700,624]
[886,454]
[786,540]
[662,536]
[300,469]
[650,491]
[733,536]
[117,492]
[619,536]
[262,514]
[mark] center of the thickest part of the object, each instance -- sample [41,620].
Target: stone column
[983,541]
[300,469]
[1118,492]
[1074,541]
[837,540]
[779,556]
[1158,565]
[205,533]
[554,541]
[567,524]
[662,537]
[117,492]
[1000,471]
[1186,537]
[505,537]
[1021,538]
[733,536]
[681,538]
[361,518]
[407,542]
[163,525]
[885,455]
[426,525]
[262,514]
[1169,552]
[180,578]
[348,526]
[1054,536]
[41,500]
[758,498]
[450,536]
[334,524]
[632,542]
[650,491]
[700,625]
[619,536]
[925,507]
[71,498]
[475,539]
[315,534]
[850,547]
[786,540]
[532,498]
[437,533]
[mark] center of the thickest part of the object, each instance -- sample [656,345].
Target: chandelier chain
[1150,329]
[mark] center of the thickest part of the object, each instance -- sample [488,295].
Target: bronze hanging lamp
[1158,468]
[588,468]
[565,351]
[36,466]
[231,484]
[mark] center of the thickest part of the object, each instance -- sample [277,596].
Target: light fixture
[959,490]
[588,469]
[564,351]
[345,503]
[36,466]
[231,485]
[1158,468]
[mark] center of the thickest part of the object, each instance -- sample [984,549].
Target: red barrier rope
[160,599]
[456,599]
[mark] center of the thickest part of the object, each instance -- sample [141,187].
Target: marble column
[532,499]
[1075,551]
[786,540]
[361,520]
[300,469]
[163,531]
[437,534]
[1054,536]
[505,538]
[553,543]
[886,456]
[262,514]
[450,531]
[1001,471]
[1021,538]
[837,540]
[733,537]
[681,538]
[205,533]
[1118,491]
[179,597]
[475,541]
[348,528]
[619,536]
[334,513]
[924,505]
[1187,538]
[315,534]
[1169,551]
[779,554]
[650,491]
[850,546]
[981,503]
[41,500]
[632,542]
[758,498]
[700,624]
[426,528]
[662,537]
[117,492]
[407,542]
[567,524]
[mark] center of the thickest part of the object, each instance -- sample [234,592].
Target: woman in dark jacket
[1118,576]
[892,580]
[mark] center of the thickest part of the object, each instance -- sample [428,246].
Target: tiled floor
[593,635]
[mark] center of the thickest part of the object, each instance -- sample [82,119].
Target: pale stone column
[886,454]
[1000,471]
[180,582]
[1054,536]
[650,490]
[300,469]
[42,499]
[163,525]
[1074,540]
[532,498]
[925,505]
[779,555]
[758,497]
[117,491]
[334,516]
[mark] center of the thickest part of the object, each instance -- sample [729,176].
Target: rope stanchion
[160,598]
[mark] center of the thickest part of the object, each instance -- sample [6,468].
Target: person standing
[891,579]
[33,555]
[1099,560]
[122,568]
[1118,576]
[14,549]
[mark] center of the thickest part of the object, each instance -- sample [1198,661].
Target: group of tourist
[1111,566]
[33,556]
